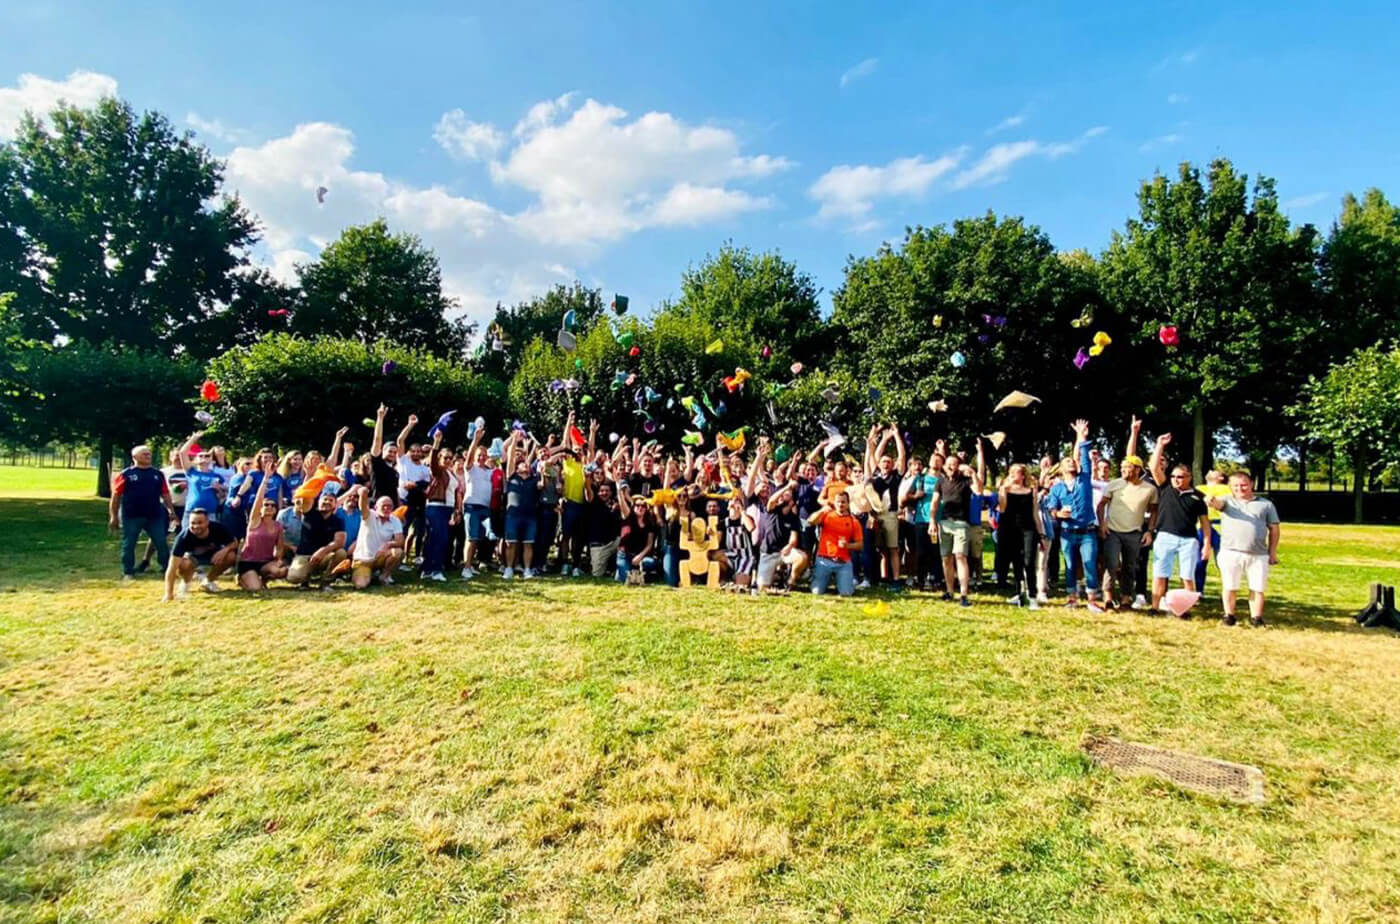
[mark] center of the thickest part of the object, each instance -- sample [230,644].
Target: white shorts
[1235,566]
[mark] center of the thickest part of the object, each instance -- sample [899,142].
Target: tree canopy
[114,229]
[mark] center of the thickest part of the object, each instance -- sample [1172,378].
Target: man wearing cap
[1125,503]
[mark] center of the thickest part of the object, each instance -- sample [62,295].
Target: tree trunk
[1358,482]
[104,467]
[1198,448]
[1302,468]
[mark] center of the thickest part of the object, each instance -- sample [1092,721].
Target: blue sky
[617,143]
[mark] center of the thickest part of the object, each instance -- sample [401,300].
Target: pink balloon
[1180,601]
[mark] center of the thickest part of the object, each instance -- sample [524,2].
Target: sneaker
[1139,602]
[863,585]
[578,572]
[1033,605]
[964,602]
[529,573]
[508,573]
[387,579]
[405,567]
[1228,619]
[128,577]
[436,576]
[210,587]
[1093,607]
[468,574]
[1015,601]
[143,567]
[1256,621]
[947,597]
[182,589]
[1042,599]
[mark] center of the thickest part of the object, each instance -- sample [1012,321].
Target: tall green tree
[1355,408]
[995,292]
[111,396]
[541,318]
[1361,274]
[113,230]
[371,285]
[753,300]
[1219,262]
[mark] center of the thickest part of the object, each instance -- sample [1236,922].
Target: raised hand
[1081,429]
[1136,425]
[413,420]
[1164,440]
[382,411]
[340,434]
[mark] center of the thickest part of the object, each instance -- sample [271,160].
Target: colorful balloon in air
[209,391]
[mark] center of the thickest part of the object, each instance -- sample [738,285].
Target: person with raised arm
[1071,503]
[261,558]
[1181,512]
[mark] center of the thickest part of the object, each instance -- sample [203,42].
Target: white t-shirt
[479,485]
[409,472]
[177,481]
[375,534]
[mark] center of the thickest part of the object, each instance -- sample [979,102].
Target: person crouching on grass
[380,545]
[261,560]
[204,544]
[321,547]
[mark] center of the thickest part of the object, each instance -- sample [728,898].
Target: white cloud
[863,69]
[543,113]
[1160,141]
[214,128]
[465,139]
[850,191]
[597,176]
[1004,124]
[38,95]
[1303,202]
[994,164]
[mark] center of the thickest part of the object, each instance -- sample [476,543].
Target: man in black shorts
[204,544]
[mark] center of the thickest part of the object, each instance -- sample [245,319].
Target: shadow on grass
[65,544]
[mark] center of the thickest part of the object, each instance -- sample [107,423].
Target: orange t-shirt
[835,528]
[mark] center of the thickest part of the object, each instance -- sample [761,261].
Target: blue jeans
[624,566]
[827,568]
[1081,549]
[672,565]
[545,531]
[435,552]
[132,528]
[1215,550]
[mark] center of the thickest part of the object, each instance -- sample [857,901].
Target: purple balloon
[389,366]
[1081,359]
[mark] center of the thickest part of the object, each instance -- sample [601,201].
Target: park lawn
[579,751]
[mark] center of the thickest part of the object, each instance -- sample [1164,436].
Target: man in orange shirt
[840,536]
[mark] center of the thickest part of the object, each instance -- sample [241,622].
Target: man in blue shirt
[1072,505]
[142,496]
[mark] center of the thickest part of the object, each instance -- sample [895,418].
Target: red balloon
[635,351]
[209,391]
[1168,335]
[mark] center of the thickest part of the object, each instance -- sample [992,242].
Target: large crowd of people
[767,523]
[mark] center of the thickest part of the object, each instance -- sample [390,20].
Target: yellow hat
[1133,460]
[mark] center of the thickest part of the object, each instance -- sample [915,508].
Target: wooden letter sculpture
[699,538]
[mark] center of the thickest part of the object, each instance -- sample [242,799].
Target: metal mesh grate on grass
[1236,782]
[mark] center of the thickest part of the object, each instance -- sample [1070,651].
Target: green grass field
[583,752]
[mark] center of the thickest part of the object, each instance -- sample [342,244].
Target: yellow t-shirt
[573,480]
[1213,490]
